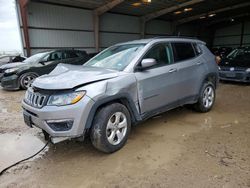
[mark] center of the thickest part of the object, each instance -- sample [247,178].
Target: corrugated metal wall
[53,26]
[233,36]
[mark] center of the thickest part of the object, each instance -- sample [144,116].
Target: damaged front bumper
[60,122]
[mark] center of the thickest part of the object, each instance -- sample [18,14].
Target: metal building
[93,25]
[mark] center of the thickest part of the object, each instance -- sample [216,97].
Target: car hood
[12,65]
[69,76]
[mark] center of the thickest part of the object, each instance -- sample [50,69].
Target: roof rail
[172,36]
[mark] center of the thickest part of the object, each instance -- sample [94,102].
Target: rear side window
[69,54]
[81,53]
[183,51]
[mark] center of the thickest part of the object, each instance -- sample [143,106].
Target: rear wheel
[206,98]
[110,128]
[26,80]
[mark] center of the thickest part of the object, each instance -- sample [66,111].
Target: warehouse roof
[175,10]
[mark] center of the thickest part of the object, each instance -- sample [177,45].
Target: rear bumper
[10,82]
[78,113]
[238,76]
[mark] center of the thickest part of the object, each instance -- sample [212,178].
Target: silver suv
[123,85]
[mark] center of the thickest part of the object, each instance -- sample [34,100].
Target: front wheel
[111,128]
[206,98]
[26,80]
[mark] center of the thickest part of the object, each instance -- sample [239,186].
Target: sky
[9,34]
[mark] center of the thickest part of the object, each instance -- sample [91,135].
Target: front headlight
[12,70]
[66,99]
[248,70]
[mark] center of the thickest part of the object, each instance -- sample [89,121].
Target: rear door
[191,69]
[157,85]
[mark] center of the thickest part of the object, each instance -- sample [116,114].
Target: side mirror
[149,62]
[145,63]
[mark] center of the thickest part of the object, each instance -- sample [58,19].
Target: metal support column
[96,31]
[23,10]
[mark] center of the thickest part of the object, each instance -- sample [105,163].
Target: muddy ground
[180,148]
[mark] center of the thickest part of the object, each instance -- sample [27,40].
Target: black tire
[200,105]
[23,79]
[99,132]
[46,135]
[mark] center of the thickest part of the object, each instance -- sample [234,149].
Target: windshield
[35,58]
[116,57]
[239,53]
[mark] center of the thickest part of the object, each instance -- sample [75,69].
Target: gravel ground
[180,148]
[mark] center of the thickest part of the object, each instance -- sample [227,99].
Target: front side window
[183,51]
[161,53]
[116,57]
[55,56]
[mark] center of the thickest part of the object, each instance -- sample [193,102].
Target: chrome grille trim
[35,99]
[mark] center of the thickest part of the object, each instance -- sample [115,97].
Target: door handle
[172,70]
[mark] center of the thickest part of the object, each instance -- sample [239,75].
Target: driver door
[157,84]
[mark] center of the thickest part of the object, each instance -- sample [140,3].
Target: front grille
[232,75]
[35,99]
[224,68]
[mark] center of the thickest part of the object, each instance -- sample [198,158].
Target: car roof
[167,38]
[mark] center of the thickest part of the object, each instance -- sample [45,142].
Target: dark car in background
[222,51]
[4,59]
[20,75]
[236,66]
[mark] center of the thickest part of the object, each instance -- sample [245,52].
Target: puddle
[17,147]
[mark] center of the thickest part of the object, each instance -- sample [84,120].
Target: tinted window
[161,53]
[55,56]
[183,51]
[240,54]
[81,53]
[71,55]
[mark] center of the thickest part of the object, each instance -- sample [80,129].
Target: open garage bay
[180,148]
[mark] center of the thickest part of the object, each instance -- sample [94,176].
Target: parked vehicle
[21,75]
[11,59]
[92,54]
[236,66]
[222,52]
[123,85]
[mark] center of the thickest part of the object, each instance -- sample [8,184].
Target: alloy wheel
[116,128]
[208,97]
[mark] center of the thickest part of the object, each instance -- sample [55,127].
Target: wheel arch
[21,74]
[124,99]
[211,77]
